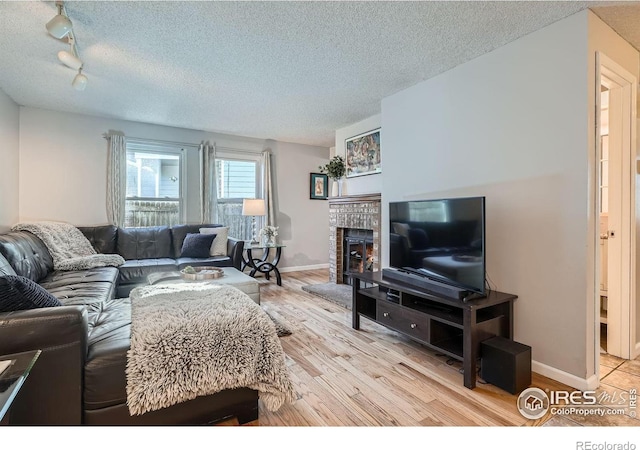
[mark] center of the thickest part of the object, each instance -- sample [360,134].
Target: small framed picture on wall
[319,189]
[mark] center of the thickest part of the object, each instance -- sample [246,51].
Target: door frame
[624,86]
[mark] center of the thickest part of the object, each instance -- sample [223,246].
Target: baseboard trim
[300,268]
[582,384]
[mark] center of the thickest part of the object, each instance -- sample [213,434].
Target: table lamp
[253,207]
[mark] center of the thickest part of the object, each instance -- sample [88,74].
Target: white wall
[63,175]
[510,125]
[367,184]
[9,147]
[303,222]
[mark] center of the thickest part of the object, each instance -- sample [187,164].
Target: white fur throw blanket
[69,248]
[194,339]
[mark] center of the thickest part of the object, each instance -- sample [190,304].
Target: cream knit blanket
[69,248]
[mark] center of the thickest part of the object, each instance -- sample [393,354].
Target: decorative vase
[336,187]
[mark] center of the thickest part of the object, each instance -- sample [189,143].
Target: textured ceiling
[290,71]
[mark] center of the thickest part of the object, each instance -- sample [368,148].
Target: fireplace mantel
[352,211]
[356,198]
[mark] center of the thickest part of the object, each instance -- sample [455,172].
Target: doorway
[616,235]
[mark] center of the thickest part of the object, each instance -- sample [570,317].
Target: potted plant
[336,170]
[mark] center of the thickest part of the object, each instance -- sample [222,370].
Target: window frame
[238,155]
[230,155]
[151,147]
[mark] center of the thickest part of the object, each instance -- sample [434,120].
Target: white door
[616,194]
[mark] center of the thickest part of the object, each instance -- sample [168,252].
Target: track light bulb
[80,81]
[69,59]
[59,26]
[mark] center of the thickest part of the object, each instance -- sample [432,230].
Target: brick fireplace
[356,213]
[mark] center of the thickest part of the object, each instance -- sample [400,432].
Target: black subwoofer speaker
[506,364]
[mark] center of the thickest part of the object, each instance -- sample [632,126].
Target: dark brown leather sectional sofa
[80,376]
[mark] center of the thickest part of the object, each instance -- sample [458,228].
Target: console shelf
[447,325]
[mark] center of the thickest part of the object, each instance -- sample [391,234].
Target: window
[238,176]
[154,185]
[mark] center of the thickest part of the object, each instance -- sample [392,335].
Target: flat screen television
[442,240]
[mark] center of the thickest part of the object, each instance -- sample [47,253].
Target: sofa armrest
[235,248]
[52,393]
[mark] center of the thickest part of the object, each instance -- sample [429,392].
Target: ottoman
[232,277]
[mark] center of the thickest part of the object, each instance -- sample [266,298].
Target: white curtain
[269,192]
[116,177]
[208,194]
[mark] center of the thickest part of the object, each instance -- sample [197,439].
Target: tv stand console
[450,326]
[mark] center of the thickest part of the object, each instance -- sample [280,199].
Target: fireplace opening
[357,252]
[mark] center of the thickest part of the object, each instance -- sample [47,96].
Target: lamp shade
[253,207]
[69,59]
[79,83]
[59,26]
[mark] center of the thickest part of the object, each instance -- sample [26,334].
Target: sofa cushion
[109,337]
[197,245]
[27,254]
[135,271]
[61,278]
[179,232]
[219,245]
[213,261]
[19,293]
[102,238]
[83,293]
[82,287]
[144,243]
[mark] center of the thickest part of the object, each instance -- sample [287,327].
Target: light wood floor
[374,376]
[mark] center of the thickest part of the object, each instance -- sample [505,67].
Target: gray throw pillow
[19,293]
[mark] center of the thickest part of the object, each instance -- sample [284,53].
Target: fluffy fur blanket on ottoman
[194,339]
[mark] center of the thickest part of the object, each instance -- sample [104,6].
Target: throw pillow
[18,293]
[197,245]
[219,246]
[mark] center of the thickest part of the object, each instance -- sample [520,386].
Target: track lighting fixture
[60,27]
[70,58]
[80,81]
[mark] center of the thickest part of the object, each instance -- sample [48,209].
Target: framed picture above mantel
[363,154]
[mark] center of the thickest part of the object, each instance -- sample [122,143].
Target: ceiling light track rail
[60,27]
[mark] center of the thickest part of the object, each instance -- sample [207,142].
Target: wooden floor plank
[377,377]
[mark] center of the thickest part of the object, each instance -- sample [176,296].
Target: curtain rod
[239,151]
[186,144]
[149,141]
[137,140]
